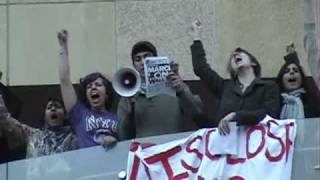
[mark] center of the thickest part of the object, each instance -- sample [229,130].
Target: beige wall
[34,48]
[103,31]
[3,44]
[262,27]
[165,23]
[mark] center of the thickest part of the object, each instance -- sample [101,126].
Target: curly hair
[90,78]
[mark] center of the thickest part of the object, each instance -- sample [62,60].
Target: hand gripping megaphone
[126,82]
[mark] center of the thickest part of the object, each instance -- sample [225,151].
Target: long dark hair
[282,71]
[90,78]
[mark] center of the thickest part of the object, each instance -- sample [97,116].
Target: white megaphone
[126,82]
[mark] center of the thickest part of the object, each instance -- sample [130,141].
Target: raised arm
[68,93]
[11,125]
[312,97]
[200,66]
[291,55]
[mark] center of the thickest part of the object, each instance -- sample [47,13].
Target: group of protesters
[85,119]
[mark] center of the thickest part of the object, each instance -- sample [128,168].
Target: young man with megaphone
[140,116]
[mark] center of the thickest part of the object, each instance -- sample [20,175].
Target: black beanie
[143,46]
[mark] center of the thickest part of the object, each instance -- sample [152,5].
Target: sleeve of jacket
[191,104]
[16,130]
[203,70]
[12,102]
[292,57]
[126,123]
[271,107]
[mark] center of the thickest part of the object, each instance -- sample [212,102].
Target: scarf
[292,107]
[50,140]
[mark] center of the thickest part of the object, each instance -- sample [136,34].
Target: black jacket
[251,106]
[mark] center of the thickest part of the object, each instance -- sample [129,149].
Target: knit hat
[143,46]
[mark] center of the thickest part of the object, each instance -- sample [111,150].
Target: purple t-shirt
[91,125]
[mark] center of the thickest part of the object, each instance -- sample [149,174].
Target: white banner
[263,151]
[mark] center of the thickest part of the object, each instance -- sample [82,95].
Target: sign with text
[156,71]
[263,151]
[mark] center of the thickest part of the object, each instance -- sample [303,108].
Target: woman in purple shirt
[94,124]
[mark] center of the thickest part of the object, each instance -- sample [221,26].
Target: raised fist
[196,25]
[63,37]
[290,48]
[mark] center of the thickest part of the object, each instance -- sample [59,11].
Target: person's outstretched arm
[292,55]
[10,125]
[68,93]
[200,66]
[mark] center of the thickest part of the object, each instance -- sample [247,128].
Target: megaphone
[126,82]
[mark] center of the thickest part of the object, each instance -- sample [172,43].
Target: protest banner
[263,151]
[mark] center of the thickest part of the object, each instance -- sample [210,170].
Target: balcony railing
[96,163]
